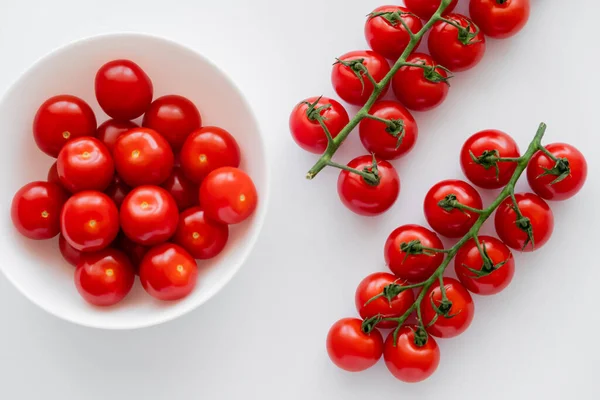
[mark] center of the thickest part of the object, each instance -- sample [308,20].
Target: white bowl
[36,268]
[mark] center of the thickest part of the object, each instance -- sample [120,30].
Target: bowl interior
[36,268]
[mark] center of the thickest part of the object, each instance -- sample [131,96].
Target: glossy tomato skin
[468,256]
[307,132]
[487,141]
[500,20]
[426,8]
[377,140]
[462,309]
[168,272]
[407,361]
[183,190]
[104,278]
[539,214]
[174,117]
[61,119]
[134,251]
[143,157]
[414,268]
[109,131]
[149,215]
[89,221]
[351,349]
[372,286]
[413,89]
[207,149]
[123,89]
[542,184]
[446,48]
[85,164]
[346,83]
[117,190]
[228,196]
[35,209]
[390,38]
[69,253]
[455,223]
[200,236]
[52,176]
[363,198]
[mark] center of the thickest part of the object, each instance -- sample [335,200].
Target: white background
[263,336]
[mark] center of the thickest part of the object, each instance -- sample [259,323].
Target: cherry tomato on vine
[134,251]
[389,140]
[85,164]
[109,131]
[479,154]
[117,190]
[346,72]
[200,236]
[183,190]
[560,180]
[386,34]
[351,349]
[426,8]
[458,50]
[52,176]
[408,361]
[69,253]
[500,18]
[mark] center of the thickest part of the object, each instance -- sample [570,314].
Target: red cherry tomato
[458,309]
[131,249]
[104,278]
[413,263]
[117,190]
[454,49]
[557,180]
[183,190]
[365,198]
[69,253]
[421,89]
[486,146]
[538,218]
[89,221]
[168,272]
[485,278]
[110,130]
[200,236]
[60,119]
[389,141]
[175,117]
[143,157]
[372,286]
[228,195]
[123,89]
[52,176]
[500,18]
[85,164]
[351,349]
[426,8]
[386,34]
[346,82]
[207,149]
[305,127]
[408,361]
[35,209]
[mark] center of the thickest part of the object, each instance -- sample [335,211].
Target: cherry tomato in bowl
[85,164]
[183,190]
[200,236]
[348,75]
[109,131]
[385,32]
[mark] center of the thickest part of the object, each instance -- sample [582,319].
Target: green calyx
[357,67]
[420,336]
[488,159]
[371,173]
[561,170]
[370,323]
[395,127]
[487,267]
[449,203]
[313,112]
[466,34]
[393,17]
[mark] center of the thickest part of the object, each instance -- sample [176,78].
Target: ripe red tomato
[351,349]
[175,117]
[35,209]
[386,34]
[487,146]
[200,236]
[305,128]
[60,119]
[109,131]
[149,215]
[228,195]
[346,81]
[489,277]
[389,141]
[207,149]
[123,89]
[457,312]
[104,278]
[69,253]
[454,49]
[408,361]
[372,286]
[143,157]
[451,222]
[85,164]
[183,190]
[117,190]
[168,272]
[557,180]
[426,8]
[538,220]
[405,254]
[421,89]
[134,251]
[500,18]
[52,176]
[364,198]
[89,221]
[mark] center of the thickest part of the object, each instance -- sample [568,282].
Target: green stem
[369,177]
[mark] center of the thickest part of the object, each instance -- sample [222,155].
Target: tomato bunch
[129,199]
